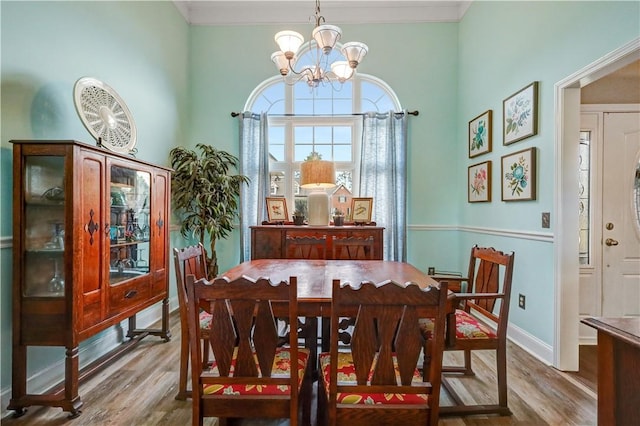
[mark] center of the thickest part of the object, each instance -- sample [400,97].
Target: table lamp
[317,176]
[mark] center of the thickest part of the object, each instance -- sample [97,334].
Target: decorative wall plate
[105,115]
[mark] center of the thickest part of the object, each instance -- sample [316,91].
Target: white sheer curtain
[383,176]
[254,163]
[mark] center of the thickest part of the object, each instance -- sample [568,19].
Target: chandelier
[326,38]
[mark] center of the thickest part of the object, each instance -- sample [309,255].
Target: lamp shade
[354,52]
[289,42]
[326,36]
[317,174]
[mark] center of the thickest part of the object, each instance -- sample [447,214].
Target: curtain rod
[235,114]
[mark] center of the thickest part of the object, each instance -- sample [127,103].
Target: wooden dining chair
[376,382]
[305,247]
[250,376]
[484,300]
[189,261]
[352,248]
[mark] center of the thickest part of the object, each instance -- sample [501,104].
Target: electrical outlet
[521,301]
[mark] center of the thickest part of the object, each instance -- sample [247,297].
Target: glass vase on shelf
[56,284]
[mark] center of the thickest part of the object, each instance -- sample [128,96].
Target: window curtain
[383,176]
[254,163]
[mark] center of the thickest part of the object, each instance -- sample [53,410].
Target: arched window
[325,119]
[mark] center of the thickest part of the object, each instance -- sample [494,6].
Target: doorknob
[610,242]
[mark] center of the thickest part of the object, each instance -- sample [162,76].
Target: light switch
[546,220]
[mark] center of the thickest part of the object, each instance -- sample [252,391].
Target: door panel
[620,227]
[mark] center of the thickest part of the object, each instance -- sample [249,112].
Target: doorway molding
[566,266]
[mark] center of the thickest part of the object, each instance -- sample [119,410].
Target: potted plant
[300,212]
[298,217]
[338,217]
[205,195]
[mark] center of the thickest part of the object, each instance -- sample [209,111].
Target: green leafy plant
[205,195]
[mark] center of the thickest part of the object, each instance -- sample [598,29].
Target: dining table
[315,279]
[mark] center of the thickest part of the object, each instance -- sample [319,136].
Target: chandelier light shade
[318,176]
[326,38]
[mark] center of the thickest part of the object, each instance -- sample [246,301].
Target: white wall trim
[534,346]
[610,107]
[531,344]
[509,233]
[566,267]
[6,242]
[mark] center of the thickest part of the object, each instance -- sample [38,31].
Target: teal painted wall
[500,53]
[423,75]
[138,48]
[182,82]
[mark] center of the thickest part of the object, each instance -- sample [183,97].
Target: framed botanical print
[520,114]
[361,210]
[518,175]
[479,136]
[277,209]
[479,183]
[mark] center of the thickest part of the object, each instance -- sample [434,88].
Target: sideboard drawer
[268,241]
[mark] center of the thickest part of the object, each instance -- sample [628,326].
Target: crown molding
[246,12]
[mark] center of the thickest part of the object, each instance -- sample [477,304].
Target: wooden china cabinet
[91,249]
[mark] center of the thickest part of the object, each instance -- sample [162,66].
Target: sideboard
[618,369]
[268,241]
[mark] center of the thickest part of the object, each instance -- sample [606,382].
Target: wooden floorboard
[139,390]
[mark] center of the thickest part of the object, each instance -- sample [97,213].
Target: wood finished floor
[139,389]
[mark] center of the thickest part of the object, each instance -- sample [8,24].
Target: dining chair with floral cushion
[480,324]
[251,375]
[189,261]
[375,381]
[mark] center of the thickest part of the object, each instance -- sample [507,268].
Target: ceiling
[247,12]
[619,87]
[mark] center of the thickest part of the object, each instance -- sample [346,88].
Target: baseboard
[109,339]
[534,346]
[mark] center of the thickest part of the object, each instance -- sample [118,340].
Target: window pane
[324,151]
[375,99]
[271,99]
[303,106]
[303,134]
[323,134]
[345,177]
[342,134]
[342,153]
[276,143]
[278,183]
[301,151]
[584,192]
[343,106]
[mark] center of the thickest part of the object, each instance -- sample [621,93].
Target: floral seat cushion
[205,320]
[467,327]
[346,373]
[281,365]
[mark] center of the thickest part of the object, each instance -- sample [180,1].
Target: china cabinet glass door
[44,237]
[129,233]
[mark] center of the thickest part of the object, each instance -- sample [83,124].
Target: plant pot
[298,220]
[338,220]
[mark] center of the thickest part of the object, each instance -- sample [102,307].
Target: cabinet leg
[166,332]
[19,373]
[132,327]
[71,375]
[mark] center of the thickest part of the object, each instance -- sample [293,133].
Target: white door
[620,215]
